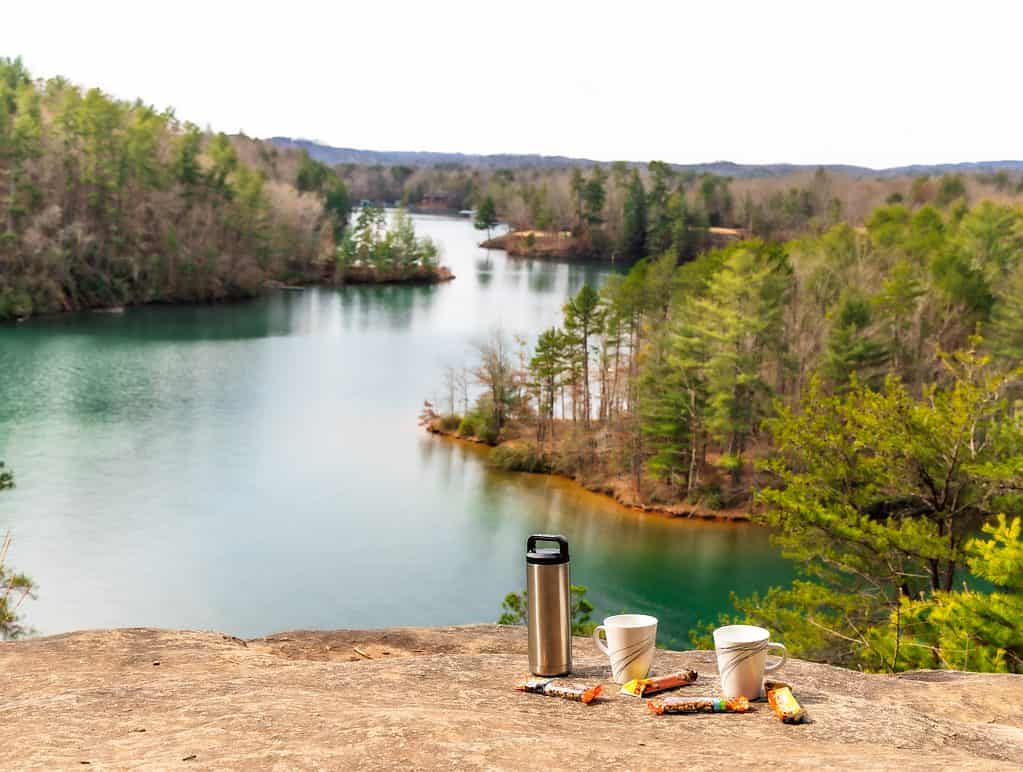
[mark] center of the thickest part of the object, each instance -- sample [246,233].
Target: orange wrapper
[644,687]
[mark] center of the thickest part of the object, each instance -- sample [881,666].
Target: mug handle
[596,638]
[784,657]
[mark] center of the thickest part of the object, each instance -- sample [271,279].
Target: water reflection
[484,269]
[542,276]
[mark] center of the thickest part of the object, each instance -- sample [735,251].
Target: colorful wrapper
[673,704]
[783,703]
[644,687]
[552,687]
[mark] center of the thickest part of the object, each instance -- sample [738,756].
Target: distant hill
[346,155]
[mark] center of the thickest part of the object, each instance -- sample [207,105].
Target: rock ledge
[442,697]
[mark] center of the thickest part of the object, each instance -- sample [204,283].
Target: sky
[868,83]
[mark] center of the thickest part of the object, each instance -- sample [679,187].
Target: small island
[539,243]
[373,253]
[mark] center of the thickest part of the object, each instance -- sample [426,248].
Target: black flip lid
[546,556]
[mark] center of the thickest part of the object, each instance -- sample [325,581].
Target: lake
[258,467]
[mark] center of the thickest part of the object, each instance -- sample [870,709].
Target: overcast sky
[871,83]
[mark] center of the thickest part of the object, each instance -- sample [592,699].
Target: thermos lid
[546,556]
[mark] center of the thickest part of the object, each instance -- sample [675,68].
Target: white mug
[630,644]
[742,655]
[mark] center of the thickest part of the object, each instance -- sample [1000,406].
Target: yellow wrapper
[784,704]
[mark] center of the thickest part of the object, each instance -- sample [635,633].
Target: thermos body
[548,607]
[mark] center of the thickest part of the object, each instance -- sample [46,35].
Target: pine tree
[546,368]
[851,353]
[583,318]
[486,215]
[634,224]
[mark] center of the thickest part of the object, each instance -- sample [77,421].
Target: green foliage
[467,426]
[486,215]
[879,500]
[634,220]
[712,496]
[337,205]
[14,587]
[547,370]
[525,457]
[450,422]
[950,188]
[393,251]
[1006,329]
[705,377]
[479,424]
[312,175]
[851,351]
[584,317]
[966,629]
[514,610]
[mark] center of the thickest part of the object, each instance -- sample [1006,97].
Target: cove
[257,467]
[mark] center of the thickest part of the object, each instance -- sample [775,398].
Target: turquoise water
[257,467]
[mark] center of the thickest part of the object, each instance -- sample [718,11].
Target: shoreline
[679,511]
[354,277]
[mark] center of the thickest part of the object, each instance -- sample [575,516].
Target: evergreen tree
[634,223]
[583,318]
[1006,329]
[486,215]
[851,353]
[546,367]
[658,217]
[594,194]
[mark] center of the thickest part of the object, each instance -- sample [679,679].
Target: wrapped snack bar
[673,704]
[644,687]
[552,687]
[783,703]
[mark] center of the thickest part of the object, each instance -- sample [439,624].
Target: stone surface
[428,698]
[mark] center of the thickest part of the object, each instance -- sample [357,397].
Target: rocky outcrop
[443,698]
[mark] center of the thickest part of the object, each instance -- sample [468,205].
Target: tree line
[105,202]
[629,211]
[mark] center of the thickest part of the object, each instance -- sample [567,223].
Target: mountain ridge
[333,155]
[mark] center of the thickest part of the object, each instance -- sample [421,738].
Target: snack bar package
[644,687]
[551,687]
[673,704]
[783,703]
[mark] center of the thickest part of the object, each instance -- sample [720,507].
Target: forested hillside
[666,377]
[107,203]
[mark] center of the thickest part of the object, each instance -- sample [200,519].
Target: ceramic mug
[630,644]
[742,659]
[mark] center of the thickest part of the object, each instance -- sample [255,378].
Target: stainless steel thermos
[548,606]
